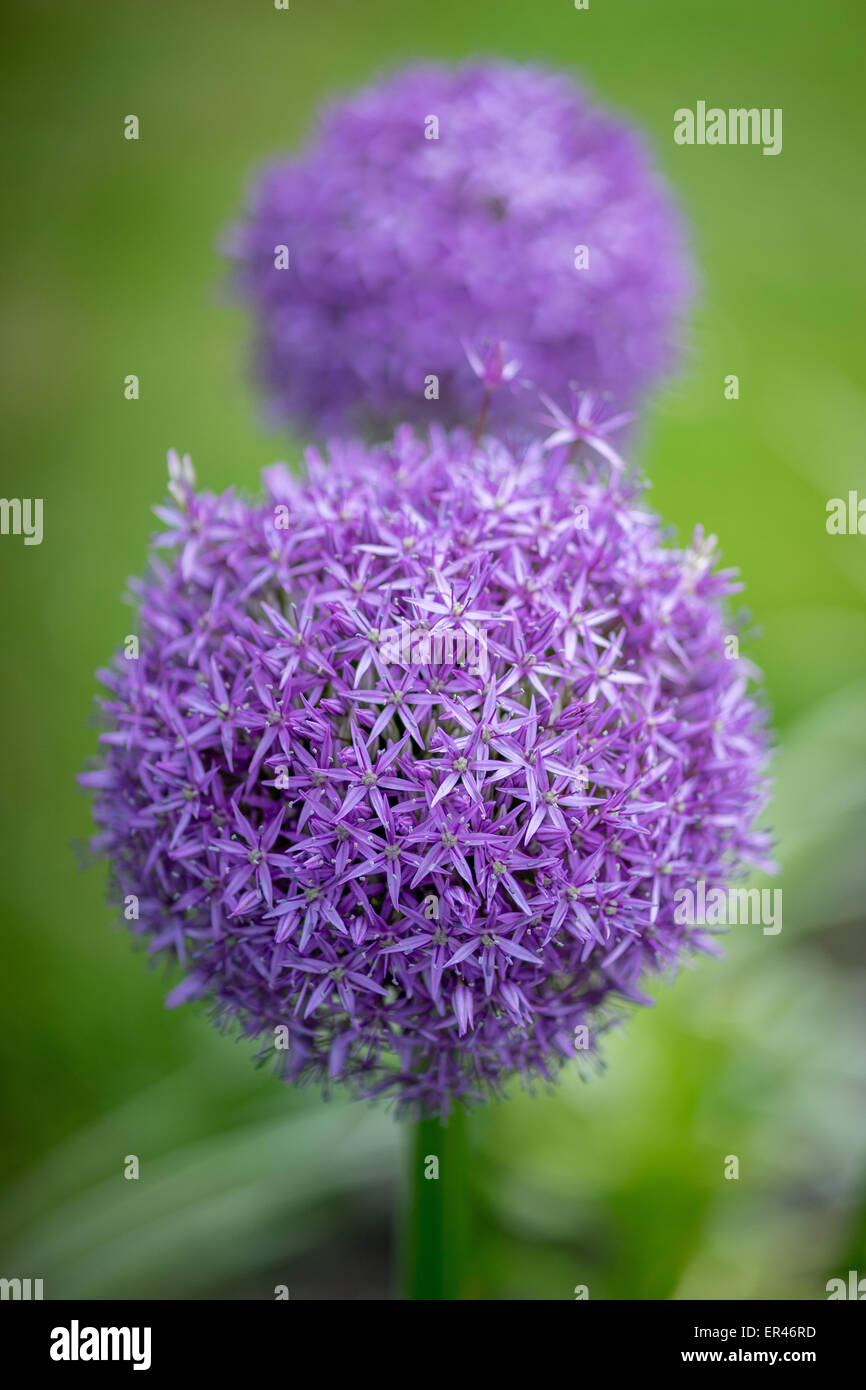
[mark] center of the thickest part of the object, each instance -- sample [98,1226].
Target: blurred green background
[110,266]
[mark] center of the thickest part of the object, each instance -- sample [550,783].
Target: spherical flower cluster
[447,207]
[416,753]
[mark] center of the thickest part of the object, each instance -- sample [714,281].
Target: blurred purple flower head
[417,753]
[484,204]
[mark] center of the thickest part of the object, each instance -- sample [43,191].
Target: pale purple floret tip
[416,754]
[533,218]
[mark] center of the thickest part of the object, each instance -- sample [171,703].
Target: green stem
[485,404]
[437,1234]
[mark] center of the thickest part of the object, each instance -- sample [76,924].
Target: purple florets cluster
[445,207]
[416,754]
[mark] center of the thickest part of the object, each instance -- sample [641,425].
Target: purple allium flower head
[532,222]
[417,753]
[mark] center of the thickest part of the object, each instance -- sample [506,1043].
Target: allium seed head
[417,753]
[456,223]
